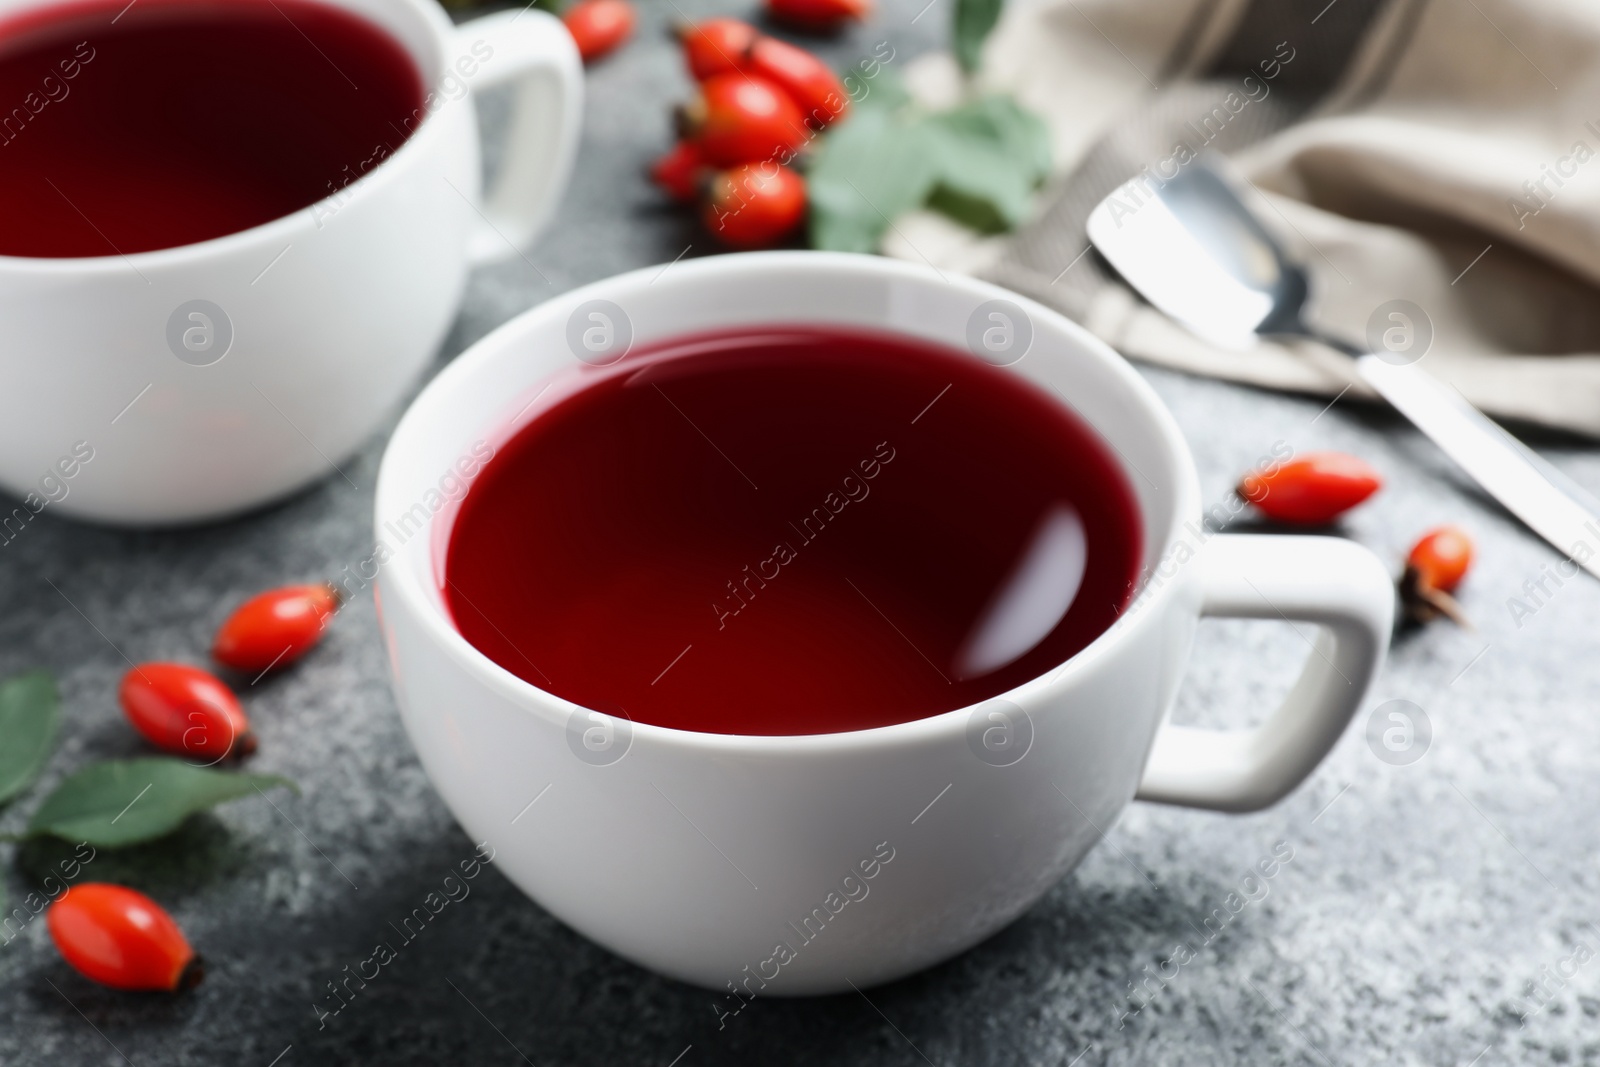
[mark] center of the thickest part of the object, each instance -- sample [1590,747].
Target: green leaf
[979,187]
[979,163]
[973,212]
[973,21]
[873,166]
[990,156]
[29,717]
[885,90]
[126,802]
[1019,133]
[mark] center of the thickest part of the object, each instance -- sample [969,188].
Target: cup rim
[401,586]
[272,230]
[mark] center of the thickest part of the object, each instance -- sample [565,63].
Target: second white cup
[205,379]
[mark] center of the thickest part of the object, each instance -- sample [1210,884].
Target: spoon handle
[1527,485]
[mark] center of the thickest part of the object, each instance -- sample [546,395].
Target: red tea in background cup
[793,531]
[131,127]
[234,232]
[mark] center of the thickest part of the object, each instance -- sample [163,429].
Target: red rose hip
[715,46]
[275,628]
[122,938]
[1311,490]
[741,118]
[755,205]
[186,711]
[807,79]
[1441,558]
[818,14]
[599,26]
[1434,568]
[680,172]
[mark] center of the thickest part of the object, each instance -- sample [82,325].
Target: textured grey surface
[1420,902]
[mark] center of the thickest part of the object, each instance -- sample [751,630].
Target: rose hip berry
[715,46]
[681,172]
[755,205]
[275,628]
[818,14]
[598,26]
[1311,490]
[185,710]
[807,79]
[1435,567]
[1442,557]
[123,939]
[739,118]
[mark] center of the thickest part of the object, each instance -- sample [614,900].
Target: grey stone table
[1432,913]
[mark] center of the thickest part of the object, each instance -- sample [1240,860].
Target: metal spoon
[1193,249]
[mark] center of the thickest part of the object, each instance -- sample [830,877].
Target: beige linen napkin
[1445,152]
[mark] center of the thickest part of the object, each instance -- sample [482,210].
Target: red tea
[131,127]
[793,531]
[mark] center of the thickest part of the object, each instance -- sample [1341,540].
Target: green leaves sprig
[978,163]
[113,803]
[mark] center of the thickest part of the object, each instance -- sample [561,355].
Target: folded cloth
[1442,152]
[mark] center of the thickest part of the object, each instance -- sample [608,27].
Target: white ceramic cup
[799,865]
[310,327]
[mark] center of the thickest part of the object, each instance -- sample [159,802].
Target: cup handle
[1337,585]
[533,50]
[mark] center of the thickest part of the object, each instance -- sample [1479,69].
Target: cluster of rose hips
[120,937]
[1315,489]
[761,102]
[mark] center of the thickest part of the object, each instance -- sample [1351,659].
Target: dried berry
[715,46]
[808,80]
[740,118]
[755,205]
[1311,490]
[681,172]
[1434,568]
[599,26]
[275,628]
[121,938]
[186,710]
[818,14]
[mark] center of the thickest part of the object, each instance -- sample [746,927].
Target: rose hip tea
[131,127]
[792,531]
